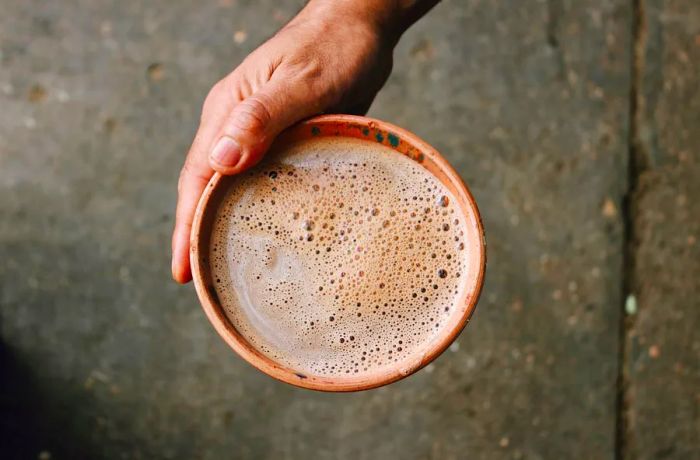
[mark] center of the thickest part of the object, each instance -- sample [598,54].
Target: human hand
[332,57]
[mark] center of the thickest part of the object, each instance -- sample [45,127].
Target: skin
[333,57]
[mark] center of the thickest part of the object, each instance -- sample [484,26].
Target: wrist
[383,18]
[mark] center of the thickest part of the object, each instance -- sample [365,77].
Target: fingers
[196,173]
[194,177]
[254,123]
[233,137]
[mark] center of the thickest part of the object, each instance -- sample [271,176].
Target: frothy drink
[340,257]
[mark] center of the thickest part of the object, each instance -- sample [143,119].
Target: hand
[332,57]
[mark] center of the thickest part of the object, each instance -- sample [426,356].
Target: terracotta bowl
[371,130]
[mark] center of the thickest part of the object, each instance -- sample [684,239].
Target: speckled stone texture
[663,338]
[103,356]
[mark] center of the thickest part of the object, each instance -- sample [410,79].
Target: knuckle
[252,115]
[189,172]
[215,93]
[217,89]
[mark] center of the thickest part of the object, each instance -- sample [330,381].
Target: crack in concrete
[638,161]
[553,13]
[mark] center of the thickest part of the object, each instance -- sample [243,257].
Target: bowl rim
[415,148]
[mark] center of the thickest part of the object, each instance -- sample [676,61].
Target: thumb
[253,124]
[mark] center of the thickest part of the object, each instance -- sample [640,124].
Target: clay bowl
[371,130]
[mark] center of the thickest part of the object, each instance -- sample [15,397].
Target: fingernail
[226,152]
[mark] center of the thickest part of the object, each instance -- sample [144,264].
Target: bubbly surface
[338,257]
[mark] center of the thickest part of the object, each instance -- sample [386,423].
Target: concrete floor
[575,124]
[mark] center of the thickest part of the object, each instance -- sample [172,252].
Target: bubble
[344,293]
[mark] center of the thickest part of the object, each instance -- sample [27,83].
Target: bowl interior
[373,131]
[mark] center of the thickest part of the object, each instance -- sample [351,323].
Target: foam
[338,257]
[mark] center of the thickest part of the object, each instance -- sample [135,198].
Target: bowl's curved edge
[383,132]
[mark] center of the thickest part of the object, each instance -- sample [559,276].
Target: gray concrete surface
[104,357]
[663,343]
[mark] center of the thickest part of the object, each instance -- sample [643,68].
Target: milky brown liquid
[341,257]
